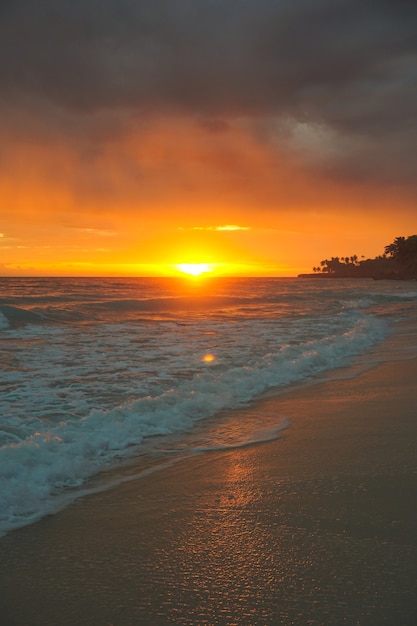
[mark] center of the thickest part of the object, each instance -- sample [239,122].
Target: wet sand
[316,528]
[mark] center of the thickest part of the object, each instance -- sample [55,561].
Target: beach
[317,527]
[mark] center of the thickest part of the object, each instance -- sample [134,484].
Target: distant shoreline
[355,277]
[322,276]
[332,276]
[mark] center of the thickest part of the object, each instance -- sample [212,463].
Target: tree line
[399,261]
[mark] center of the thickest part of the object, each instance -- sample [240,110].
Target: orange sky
[134,185]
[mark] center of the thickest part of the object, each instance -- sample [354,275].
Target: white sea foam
[4,322]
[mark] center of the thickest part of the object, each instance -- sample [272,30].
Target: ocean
[97,373]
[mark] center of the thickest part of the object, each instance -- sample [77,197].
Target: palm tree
[395,250]
[404,252]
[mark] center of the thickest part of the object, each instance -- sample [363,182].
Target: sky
[255,136]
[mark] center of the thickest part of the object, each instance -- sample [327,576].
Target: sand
[318,527]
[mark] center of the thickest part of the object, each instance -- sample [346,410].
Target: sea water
[95,370]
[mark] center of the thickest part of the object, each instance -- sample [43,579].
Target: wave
[93,307]
[257,437]
[18,317]
[110,310]
[79,399]
[15,317]
[55,457]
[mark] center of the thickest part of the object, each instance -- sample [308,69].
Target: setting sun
[195,269]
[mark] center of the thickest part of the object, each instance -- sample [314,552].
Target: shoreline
[316,527]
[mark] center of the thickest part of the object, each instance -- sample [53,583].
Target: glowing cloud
[232,227]
[225,227]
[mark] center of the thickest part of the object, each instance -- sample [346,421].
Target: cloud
[97,232]
[227,227]
[331,81]
[232,227]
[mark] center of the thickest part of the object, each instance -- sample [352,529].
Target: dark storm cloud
[350,65]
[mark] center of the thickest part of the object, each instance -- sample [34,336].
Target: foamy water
[91,369]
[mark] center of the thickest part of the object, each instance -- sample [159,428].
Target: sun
[194,269]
